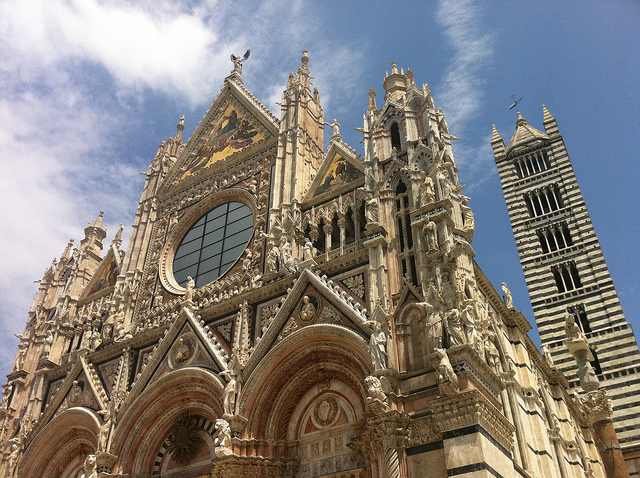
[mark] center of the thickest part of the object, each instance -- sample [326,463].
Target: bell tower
[564,267]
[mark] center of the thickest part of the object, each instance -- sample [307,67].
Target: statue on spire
[237,62]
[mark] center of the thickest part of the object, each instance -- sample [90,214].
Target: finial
[394,68]
[118,236]
[98,221]
[547,115]
[305,57]
[372,100]
[67,251]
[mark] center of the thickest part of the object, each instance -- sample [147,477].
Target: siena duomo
[287,307]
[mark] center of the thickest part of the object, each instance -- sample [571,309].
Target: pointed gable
[337,173]
[104,279]
[332,305]
[233,126]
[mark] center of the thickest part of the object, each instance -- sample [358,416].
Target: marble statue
[336,127]
[224,434]
[308,310]
[506,294]
[89,467]
[378,347]
[48,342]
[427,194]
[374,389]
[430,231]
[230,391]
[189,289]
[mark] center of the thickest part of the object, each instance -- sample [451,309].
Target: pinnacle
[547,115]
[495,136]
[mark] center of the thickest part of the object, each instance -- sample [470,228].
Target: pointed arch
[144,424]
[67,438]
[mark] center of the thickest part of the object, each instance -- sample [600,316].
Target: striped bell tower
[565,270]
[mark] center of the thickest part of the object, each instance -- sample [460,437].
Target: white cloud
[461,89]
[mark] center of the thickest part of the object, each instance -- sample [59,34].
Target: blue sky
[89,88]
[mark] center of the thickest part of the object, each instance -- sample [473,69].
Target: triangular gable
[235,123]
[81,388]
[339,169]
[104,279]
[408,293]
[199,347]
[336,297]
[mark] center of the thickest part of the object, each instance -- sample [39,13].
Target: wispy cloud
[75,73]
[461,89]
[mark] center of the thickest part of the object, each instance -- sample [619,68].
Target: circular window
[213,244]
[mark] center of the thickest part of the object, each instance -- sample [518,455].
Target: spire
[525,135]
[496,142]
[98,222]
[117,240]
[550,123]
[372,100]
[67,251]
[180,127]
[396,84]
[303,72]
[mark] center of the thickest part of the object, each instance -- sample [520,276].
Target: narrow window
[395,136]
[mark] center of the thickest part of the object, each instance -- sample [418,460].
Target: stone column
[598,408]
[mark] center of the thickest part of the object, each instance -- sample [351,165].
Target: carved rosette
[470,407]
[597,406]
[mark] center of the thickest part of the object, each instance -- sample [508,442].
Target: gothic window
[319,243]
[542,201]
[405,236]
[532,163]
[349,227]
[395,136]
[554,237]
[566,276]
[335,232]
[213,244]
[362,221]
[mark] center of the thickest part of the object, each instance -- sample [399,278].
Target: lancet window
[532,163]
[405,236]
[395,136]
[543,200]
[566,276]
[554,237]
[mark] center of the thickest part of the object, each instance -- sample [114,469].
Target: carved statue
[6,393]
[248,260]
[75,392]
[467,317]
[445,370]
[430,231]
[547,356]
[89,467]
[224,434]
[308,310]
[13,456]
[493,355]
[22,352]
[307,251]
[105,429]
[48,342]
[377,347]
[336,127]
[189,289]
[571,329]
[237,62]
[444,184]
[506,295]
[230,390]
[469,221]
[96,339]
[434,327]
[183,351]
[427,194]
[374,389]
[372,210]
[272,259]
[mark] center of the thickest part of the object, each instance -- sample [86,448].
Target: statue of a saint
[189,289]
[454,325]
[48,342]
[378,347]
[371,210]
[307,251]
[430,231]
[230,390]
[427,194]
[506,294]
[336,127]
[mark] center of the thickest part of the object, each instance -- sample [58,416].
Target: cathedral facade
[287,310]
